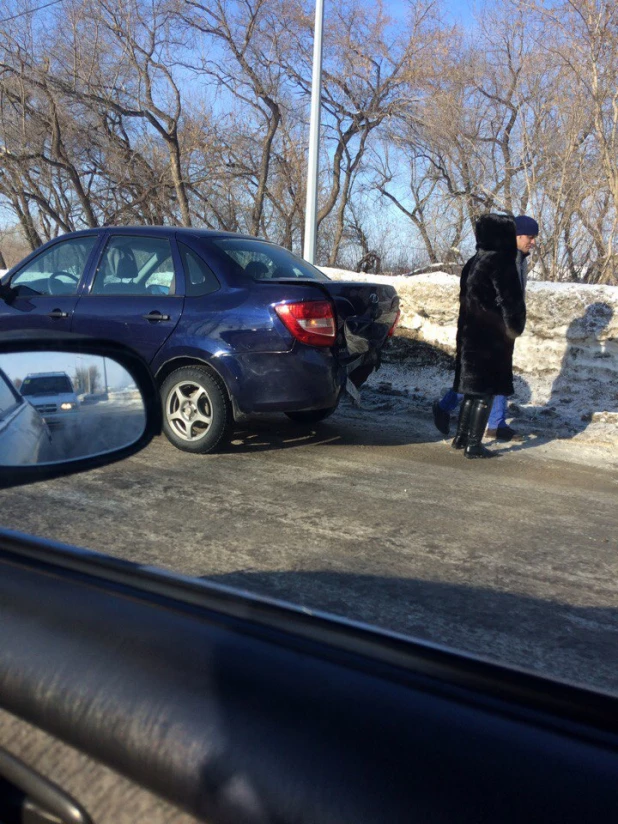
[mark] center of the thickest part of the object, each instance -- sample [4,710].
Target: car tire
[311,415]
[197,413]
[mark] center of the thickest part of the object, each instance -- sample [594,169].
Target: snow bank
[566,362]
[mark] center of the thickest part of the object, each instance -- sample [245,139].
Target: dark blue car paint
[234,330]
[34,313]
[120,318]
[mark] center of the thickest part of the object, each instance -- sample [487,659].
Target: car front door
[134,296]
[47,286]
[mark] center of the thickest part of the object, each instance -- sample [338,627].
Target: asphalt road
[97,428]
[371,516]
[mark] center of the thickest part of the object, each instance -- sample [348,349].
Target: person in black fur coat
[492,314]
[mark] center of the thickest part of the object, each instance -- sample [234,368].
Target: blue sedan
[230,324]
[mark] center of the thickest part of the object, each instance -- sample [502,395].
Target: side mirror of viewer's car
[71,403]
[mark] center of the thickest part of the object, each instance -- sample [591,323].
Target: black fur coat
[492,312]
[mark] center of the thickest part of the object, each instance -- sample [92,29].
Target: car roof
[47,375]
[163,231]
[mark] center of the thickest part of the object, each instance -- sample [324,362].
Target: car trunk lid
[366,313]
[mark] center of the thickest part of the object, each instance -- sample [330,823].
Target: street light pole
[311,212]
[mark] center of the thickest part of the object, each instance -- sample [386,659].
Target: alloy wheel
[189,410]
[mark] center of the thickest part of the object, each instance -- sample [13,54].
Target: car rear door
[48,284]
[135,296]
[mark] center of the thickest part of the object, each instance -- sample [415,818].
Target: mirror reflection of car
[52,394]
[24,435]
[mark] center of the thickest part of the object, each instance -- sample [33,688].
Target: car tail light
[391,331]
[310,321]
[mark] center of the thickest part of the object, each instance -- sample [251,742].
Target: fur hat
[496,233]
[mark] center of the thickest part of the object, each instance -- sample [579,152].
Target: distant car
[24,435]
[230,324]
[53,396]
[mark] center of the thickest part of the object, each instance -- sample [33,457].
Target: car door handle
[57,313]
[28,796]
[156,316]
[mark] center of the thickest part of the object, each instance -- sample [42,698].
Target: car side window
[57,270]
[199,278]
[8,396]
[135,266]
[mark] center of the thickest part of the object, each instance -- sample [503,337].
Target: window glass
[57,270]
[8,397]
[263,261]
[135,266]
[199,278]
[46,385]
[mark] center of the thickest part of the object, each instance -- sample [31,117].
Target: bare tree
[369,73]
[144,37]
[580,37]
[246,35]
[164,111]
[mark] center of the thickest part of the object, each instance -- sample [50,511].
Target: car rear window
[49,385]
[264,261]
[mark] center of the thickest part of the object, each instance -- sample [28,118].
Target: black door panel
[242,711]
[107,796]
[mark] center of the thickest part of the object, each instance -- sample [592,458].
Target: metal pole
[311,212]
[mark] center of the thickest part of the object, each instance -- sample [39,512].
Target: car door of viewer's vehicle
[23,433]
[135,297]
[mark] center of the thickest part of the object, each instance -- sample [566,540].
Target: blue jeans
[497,416]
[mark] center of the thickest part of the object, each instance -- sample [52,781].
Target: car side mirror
[71,403]
[7,293]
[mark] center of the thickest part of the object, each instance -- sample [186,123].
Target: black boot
[441,419]
[479,415]
[460,441]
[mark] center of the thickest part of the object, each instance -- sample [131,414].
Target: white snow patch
[394,280]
